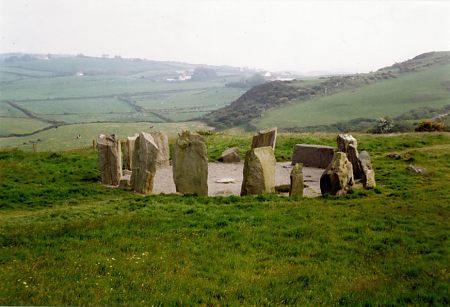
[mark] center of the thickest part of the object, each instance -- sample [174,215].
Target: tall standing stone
[110,159]
[259,171]
[128,152]
[349,145]
[162,141]
[337,178]
[144,164]
[190,164]
[296,188]
[368,174]
[263,138]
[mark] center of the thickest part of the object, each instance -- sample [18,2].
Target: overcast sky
[345,36]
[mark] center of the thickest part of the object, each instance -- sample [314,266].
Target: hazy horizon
[301,36]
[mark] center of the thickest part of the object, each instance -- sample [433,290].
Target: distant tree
[384,125]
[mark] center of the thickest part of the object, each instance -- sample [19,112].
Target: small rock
[394,155]
[226,180]
[230,155]
[417,170]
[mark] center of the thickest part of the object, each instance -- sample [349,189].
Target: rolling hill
[343,102]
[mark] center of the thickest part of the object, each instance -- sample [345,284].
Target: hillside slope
[402,87]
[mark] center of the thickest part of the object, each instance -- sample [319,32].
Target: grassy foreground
[66,240]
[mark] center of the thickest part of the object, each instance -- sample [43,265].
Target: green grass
[384,98]
[19,125]
[66,240]
[82,107]
[64,137]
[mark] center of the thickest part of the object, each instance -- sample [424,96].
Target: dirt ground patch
[231,173]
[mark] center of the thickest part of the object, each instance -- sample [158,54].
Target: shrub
[429,126]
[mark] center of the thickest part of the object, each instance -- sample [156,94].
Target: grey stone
[230,155]
[125,182]
[312,155]
[162,141]
[368,174]
[144,164]
[417,170]
[190,164]
[128,152]
[263,138]
[337,178]
[296,188]
[110,159]
[349,145]
[259,171]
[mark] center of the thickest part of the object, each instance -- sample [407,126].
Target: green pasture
[67,240]
[19,125]
[94,106]
[390,97]
[65,137]
[128,117]
[213,98]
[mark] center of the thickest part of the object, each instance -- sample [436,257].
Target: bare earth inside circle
[163,182]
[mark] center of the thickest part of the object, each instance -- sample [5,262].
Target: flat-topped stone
[190,164]
[259,171]
[312,155]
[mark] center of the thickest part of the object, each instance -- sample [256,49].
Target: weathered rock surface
[162,141]
[110,159]
[263,138]
[144,163]
[337,178]
[230,155]
[128,152]
[368,174]
[312,155]
[190,164]
[344,140]
[348,144]
[259,171]
[296,188]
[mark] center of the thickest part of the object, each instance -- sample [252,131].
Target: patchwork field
[67,240]
[68,90]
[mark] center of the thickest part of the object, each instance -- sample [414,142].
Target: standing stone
[337,178]
[230,155]
[190,164]
[349,145]
[125,181]
[368,174]
[296,188]
[312,155]
[259,171]
[265,138]
[128,152]
[144,163]
[162,141]
[110,160]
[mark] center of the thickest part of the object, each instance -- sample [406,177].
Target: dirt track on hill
[164,179]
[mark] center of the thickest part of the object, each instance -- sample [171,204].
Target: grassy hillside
[65,90]
[391,97]
[340,102]
[66,240]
